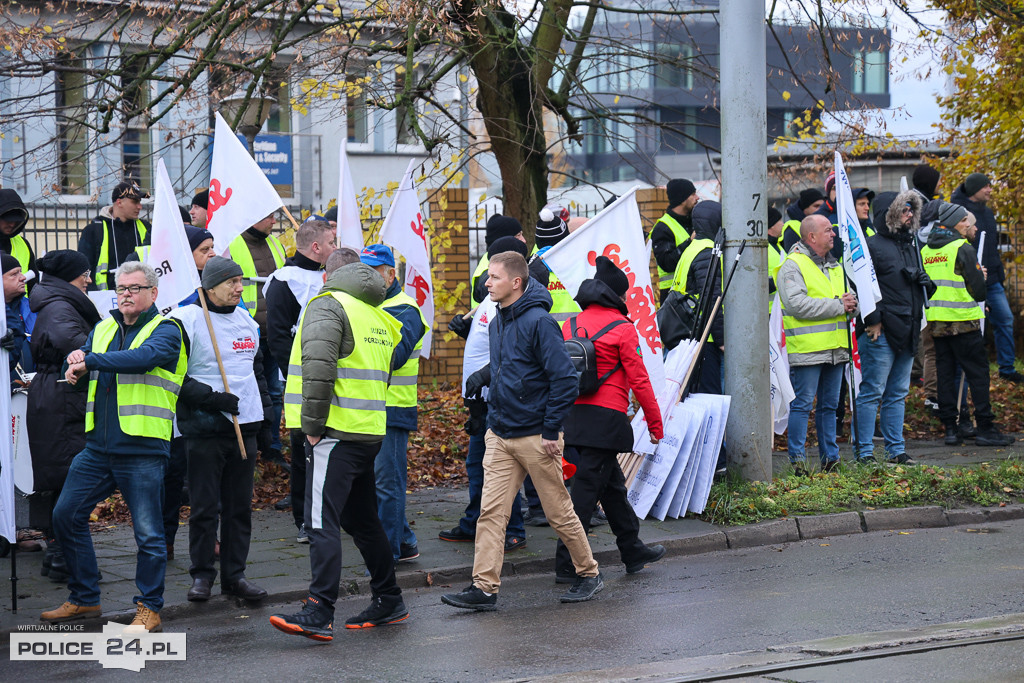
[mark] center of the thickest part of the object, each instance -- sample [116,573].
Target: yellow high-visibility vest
[951,300]
[809,336]
[402,390]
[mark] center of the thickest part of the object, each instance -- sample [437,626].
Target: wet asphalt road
[677,609]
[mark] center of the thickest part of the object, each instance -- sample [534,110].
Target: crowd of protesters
[178,408]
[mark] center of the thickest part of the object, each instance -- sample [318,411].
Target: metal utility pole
[748,431]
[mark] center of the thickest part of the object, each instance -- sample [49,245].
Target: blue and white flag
[856,258]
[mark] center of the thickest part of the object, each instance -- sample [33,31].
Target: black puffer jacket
[56,412]
[897,262]
[707,219]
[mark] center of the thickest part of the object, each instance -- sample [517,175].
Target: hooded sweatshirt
[10,201]
[327,338]
[897,263]
[533,382]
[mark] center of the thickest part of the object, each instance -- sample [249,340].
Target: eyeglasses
[908,209]
[134,289]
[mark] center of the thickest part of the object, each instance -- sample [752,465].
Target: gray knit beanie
[951,214]
[218,269]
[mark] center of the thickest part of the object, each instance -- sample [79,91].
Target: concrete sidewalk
[281,565]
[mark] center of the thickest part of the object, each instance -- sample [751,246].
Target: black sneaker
[799,470]
[953,437]
[902,459]
[652,553]
[457,535]
[991,436]
[966,428]
[314,621]
[407,553]
[472,598]
[1014,377]
[512,543]
[585,588]
[830,466]
[598,518]
[302,536]
[382,611]
[535,517]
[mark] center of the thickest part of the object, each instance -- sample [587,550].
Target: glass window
[72,136]
[280,120]
[358,117]
[136,147]
[870,72]
[672,66]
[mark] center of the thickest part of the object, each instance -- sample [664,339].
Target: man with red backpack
[597,427]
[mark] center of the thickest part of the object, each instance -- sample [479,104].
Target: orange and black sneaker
[315,621]
[383,610]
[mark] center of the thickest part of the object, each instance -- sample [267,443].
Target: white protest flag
[169,253]
[350,229]
[778,365]
[617,233]
[856,258]
[7,522]
[240,194]
[403,230]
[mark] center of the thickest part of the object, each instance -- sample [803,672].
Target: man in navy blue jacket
[121,452]
[533,386]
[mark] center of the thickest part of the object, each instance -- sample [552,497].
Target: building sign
[274,157]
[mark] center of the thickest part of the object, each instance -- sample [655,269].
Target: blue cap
[377,255]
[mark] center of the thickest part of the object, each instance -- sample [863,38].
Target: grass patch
[865,487]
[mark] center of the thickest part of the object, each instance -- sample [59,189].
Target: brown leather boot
[145,620]
[70,611]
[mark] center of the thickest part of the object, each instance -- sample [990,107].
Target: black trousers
[174,479]
[297,478]
[969,351]
[220,481]
[341,493]
[599,478]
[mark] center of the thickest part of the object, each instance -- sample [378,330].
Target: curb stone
[763,533]
[904,518]
[838,524]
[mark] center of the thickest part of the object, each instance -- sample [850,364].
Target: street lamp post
[255,111]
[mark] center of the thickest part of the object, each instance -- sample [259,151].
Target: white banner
[617,233]
[240,194]
[350,229]
[7,523]
[169,253]
[403,229]
[778,366]
[856,257]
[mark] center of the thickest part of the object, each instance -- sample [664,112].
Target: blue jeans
[885,379]
[390,469]
[475,470]
[92,478]
[823,381]
[275,387]
[1000,321]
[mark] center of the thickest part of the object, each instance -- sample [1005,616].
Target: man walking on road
[341,364]
[532,387]
[136,362]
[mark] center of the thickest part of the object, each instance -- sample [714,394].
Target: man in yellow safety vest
[816,308]
[13,217]
[337,393]
[672,231]
[115,234]
[135,362]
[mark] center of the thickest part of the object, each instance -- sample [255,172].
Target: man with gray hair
[289,290]
[135,363]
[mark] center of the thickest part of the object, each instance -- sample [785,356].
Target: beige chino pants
[506,464]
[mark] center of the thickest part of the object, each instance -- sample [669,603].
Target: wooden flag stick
[288,213]
[220,366]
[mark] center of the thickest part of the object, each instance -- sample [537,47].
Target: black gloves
[477,422]
[477,381]
[221,401]
[460,325]
[8,341]
[264,439]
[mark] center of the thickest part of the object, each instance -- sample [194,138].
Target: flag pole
[220,365]
[849,365]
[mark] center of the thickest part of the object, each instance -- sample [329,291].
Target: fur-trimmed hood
[894,214]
